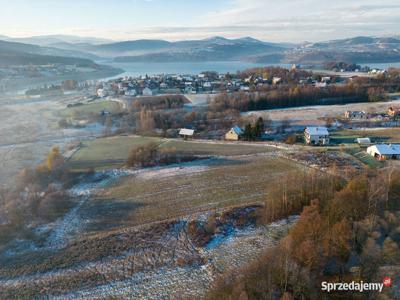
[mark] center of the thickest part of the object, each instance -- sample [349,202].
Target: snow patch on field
[232,250]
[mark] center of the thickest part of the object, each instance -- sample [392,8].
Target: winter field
[112,152]
[129,232]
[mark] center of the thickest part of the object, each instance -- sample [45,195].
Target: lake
[189,68]
[382,65]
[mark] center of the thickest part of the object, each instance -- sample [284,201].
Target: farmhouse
[234,134]
[316,135]
[186,133]
[384,151]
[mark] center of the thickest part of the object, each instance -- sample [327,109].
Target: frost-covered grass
[170,192]
[112,152]
[216,148]
[157,261]
[107,153]
[86,110]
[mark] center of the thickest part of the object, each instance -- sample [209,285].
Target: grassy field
[171,192]
[85,110]
[390,135]
[201,148]
[105,153]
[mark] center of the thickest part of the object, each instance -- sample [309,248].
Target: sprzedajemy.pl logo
[356,286]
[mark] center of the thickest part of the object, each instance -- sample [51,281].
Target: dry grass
[230,182]
[86,110]
[112,152]
[106,153]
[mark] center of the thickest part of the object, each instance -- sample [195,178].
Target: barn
[384,151]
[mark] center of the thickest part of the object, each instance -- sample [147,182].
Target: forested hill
[12,53]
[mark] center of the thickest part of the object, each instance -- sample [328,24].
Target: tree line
[346,231]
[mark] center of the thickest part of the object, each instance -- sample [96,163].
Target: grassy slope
[224,183]
[391,135]
[112,152]
[84,111]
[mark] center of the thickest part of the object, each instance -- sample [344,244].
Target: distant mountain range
[49,40]
[358,49]
[12,53]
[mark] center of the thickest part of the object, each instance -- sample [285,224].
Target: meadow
[112,152]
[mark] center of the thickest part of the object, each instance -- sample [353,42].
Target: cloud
[280,21]
[309,19]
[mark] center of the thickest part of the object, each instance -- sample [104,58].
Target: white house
[321,84]
[384,151]
[102,93]
[207,85]
[234,134]
[316,135]
[147,92]
[130,92]
[276,80]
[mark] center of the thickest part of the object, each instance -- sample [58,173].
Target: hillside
[358,49]
[211,49]
[9,46]
[13,53]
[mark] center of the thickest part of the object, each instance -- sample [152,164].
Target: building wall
[231,136]
[316,139]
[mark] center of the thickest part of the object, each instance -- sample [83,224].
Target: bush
[143,156]
[149,155]
[291,139]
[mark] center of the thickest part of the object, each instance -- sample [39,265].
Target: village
[211,82]
[162,193]
[191,99]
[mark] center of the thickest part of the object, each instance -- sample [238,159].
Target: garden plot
[328,160]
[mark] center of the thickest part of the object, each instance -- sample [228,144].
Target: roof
[185,131]
[384,149]
[236,129]
[317,130]
[363,140]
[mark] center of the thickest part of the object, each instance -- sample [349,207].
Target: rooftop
[317,130]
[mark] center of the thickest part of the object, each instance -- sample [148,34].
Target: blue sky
[284,20]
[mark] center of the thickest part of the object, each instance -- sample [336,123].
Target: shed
[186,133]
[363,141]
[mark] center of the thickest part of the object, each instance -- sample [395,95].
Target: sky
[275,21]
